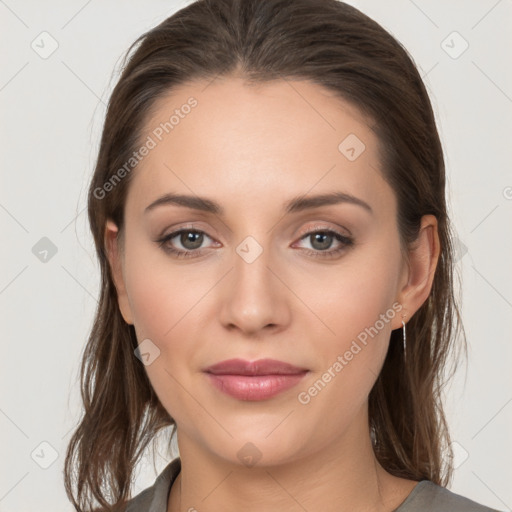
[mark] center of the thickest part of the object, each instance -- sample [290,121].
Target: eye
[190,239]
[322,239]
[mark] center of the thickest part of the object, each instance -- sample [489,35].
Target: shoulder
[154,498]
[428,496]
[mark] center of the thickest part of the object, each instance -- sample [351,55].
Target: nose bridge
[251,272]
[254,298]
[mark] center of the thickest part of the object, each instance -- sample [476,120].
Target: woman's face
[256,282]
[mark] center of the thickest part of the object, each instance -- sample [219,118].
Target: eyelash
[344,240]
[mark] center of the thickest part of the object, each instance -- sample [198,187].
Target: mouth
[257,380]
[259,367]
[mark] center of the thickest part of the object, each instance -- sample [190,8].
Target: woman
[268,208]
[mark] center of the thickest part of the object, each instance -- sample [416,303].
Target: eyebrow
[297,204]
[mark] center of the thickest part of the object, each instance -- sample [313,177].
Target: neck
[344,477]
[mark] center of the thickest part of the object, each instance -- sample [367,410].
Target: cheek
[356,303]
[162,295]
[352,296]
[360,313]
[166,310]
[168,302]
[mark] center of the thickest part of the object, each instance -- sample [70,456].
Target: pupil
[188,237]
[320,236]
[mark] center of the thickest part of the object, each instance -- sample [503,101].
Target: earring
[404,338]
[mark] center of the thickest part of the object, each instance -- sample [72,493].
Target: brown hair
[335,46]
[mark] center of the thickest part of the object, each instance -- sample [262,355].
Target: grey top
[426,496]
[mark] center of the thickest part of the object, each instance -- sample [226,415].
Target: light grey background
[52,112]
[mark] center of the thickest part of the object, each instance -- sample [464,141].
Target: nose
[254,296]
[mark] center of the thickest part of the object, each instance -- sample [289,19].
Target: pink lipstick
[256,380]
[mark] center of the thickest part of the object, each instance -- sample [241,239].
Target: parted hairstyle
[331,44]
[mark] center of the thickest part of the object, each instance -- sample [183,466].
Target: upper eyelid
[325,228]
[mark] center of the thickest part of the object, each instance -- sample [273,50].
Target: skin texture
[251,149]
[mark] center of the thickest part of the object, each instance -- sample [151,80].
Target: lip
[254,368]
[256,380]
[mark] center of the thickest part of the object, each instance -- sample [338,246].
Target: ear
[419,273]
[114,253]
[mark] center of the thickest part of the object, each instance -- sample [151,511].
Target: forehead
[234,141]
